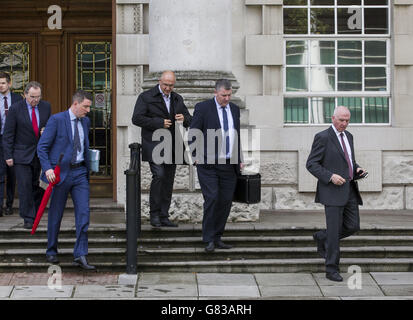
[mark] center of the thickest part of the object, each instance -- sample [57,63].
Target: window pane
[375,2]
[375,52]
[323,79]
[296,52]
[295,21]
[355,106]
[375,79]
[295,2]
[322,109]
[322,2]
[349,79]
[295,110]
[322,52]
[348,2]
[349,52]
[14,59]
[376,110]
[375,21]
[349,20]
[297,79]
[322,21]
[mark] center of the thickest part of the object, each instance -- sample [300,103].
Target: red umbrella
[46,195]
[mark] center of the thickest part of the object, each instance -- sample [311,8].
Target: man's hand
[10,162]
[50,175]
[179,117]
[167,123]
[337,180]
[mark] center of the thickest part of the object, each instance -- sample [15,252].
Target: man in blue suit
[67,133]
[22,131]
[216,122]
[7,98]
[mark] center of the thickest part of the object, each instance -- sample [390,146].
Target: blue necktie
[226,129]
[76,142]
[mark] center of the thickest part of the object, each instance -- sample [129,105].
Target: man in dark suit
[7,98]
[332,162]
[216,128]
[24,124]
[67,133]
[161,108]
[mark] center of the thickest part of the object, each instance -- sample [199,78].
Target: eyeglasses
[35,98]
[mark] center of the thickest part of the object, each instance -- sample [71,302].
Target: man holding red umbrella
[67,133]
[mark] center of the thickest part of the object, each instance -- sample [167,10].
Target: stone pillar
[194,39]
[189,35]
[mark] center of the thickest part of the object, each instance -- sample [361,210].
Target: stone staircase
[258,247]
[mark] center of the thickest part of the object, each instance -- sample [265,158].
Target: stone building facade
[362,61]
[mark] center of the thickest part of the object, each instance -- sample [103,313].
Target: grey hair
[32,84]
[223,83]
[339,109]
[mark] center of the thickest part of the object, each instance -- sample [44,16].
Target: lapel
[26,117]
[335,141]
[68,127]
[215,115]
[158,95]
[235,119]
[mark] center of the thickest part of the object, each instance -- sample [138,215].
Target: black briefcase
[248,189]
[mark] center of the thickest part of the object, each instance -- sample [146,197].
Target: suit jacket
[56,139]
[149,114]
[14,98]
[206,117]
[19,139]
[327,157]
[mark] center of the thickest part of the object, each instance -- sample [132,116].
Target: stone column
[194,39]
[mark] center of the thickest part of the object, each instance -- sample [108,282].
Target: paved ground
[205,286]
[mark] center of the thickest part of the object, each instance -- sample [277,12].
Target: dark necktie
[350,170]
[34,123]
[76,142]
[226,129]
[6,106]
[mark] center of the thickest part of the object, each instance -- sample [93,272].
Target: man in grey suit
[332,162]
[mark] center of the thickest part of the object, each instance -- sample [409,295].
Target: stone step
[112,239]
[216,265]
[104,254]
[244,253]
[235,230]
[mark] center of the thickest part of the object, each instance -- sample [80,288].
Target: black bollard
[133,208]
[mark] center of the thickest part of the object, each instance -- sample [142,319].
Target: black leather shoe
[167,223]
[52,259]
[321,250]
[28,225]
[210,247]
[8,211]
[82,262]
[334,276]
[220,245]
[155,221]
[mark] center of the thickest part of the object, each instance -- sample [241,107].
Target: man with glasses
[7,98]
[23,127]
[159,108]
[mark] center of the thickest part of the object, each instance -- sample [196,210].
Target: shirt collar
[29,106]
[72,115]
[163,94]
[7,95]
[338,132]
[219,107]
